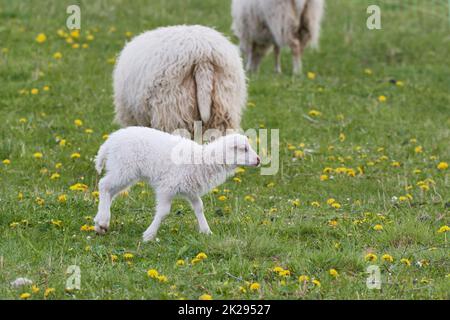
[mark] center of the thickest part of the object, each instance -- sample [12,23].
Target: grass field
[382,160]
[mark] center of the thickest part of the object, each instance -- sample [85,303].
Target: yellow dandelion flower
[249,198]
[128,256]
[382,99]
[62,198]
[41,38]
[406,262]
[336,205]
[55,176]
[299,153]
[95,194]
[333,273]
[75,155]
[418,149]
[395,164]
[255,286]
[311,75]
[89,37]
[205,297]
[20,196]
[317,283]
[6,162]
[303,279]
[162,278]
[201,256]
[378,227]
[38,155]
[34,91]
[34,289]
[180,262]
[48,292]
[25,296]
[23,120]
[113,257]
[333,223]
[78,122]
[57,55]
[342,137]
[195,261]
[314,113]
[442,166]
[371,257]
[57,223]
[315,204]
[79,187]
[444,229]
[387,257]
[368,71]
[296,203]
[222,198]
[58,165]
[40,201]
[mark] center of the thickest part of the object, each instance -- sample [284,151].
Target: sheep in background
[259,24]
[170,77]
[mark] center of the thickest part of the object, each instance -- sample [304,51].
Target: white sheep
[171,164]
[259,24]
[170,77]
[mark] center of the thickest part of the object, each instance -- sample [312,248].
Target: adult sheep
[259,24]
[170,77]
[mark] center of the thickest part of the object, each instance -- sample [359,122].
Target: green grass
[250,238]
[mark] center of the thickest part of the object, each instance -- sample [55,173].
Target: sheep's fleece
[170,77]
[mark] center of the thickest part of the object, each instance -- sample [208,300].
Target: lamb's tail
[101,157]
[204,80]
[310,22]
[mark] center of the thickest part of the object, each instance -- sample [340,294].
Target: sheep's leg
[296,55]
[257,53]
[163,203]
[197,205]
[276,52]
[249,55]
[109,187]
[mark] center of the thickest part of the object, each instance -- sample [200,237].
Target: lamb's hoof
[150,236]
[208,232]
[100,229]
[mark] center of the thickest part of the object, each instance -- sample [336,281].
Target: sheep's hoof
[100,229]
[148,237]
[208,232]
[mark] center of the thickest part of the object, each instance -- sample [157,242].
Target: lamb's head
[234,150]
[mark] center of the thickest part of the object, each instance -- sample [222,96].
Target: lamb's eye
[246,148]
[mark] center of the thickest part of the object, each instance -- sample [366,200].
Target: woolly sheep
[172,76]
[171,164]
[259,24]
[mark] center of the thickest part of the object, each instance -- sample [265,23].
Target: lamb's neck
[204,177]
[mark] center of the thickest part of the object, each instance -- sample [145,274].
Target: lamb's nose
[258,161]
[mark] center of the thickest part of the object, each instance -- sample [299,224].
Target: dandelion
[249,198]
[277,269]
[128,34]
[57,55]
[41,38]
[58,165]
[418,149]
[205,297]
[255,286]
[317,283]
[382,99]
[242,289]
[79,187]
[303,279]
[442,166]
[371,257]
[34,289]
[406,262]
[333,273]
[48,292]
[162,278]
[311,75]
[284,273]
[75,46]
[20,196]
[6,162]
[378,227]
[75,34]
[25,296]
[314,113]
[222,198]
[395,164]
[87,227]
[34,91]
[75,155]
[113,257]
[341,137]
[89,37]
[239,170]
[40,201]
[153,273]
[399,83]
[62,198]
[78,122]
[180,262]
[444,229]
[336,205]
[111,60]
[388,258]
[201,256]
[128,256]
[95,194]
[315,204]
[88,131]
[46,88]
[333,223]
[55,176]
[23,120]
[251,104]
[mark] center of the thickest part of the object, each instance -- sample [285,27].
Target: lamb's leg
[163,203]
[296,55]
[276,52]
[197,205]
[109,186]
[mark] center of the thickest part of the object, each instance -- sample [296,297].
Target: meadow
[363,177]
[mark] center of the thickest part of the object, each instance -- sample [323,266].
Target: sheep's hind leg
[296,56]
[163,203]
[276,52]
[109,187]
[197,205]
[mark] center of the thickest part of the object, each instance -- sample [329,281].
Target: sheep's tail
[310,22]
[204,80]
[101,158]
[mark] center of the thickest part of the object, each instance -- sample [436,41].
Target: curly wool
[170,77]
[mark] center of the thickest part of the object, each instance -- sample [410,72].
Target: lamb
[259,24]
[171,164]
[171,77]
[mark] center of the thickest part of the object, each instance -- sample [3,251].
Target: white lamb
[172,165]
[259,24]
[170,77]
